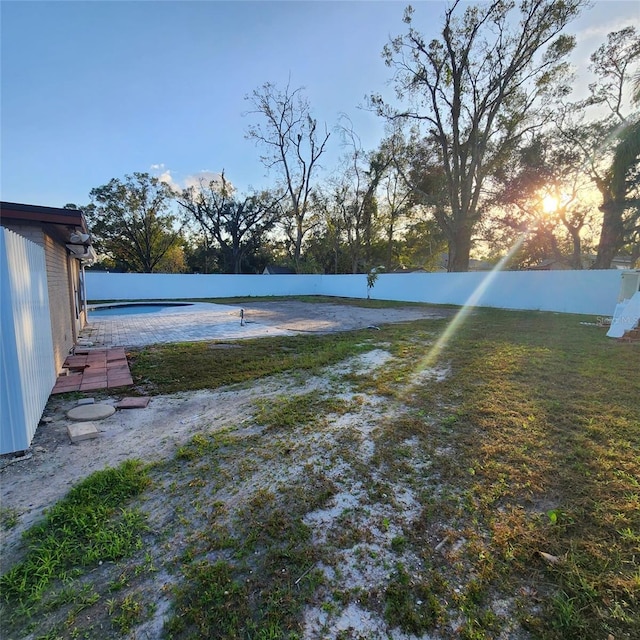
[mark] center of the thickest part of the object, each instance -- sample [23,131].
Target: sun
[550,204]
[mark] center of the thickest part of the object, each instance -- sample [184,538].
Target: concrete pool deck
[208,321]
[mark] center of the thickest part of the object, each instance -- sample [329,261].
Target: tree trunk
[459,250]
[611,236]
[298,246]
[389,246]
[576,258]
[355,259]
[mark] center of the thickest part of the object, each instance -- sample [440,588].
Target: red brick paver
[94,369]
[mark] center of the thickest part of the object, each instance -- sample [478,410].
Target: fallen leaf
[549,558]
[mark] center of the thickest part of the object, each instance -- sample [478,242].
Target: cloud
[167,178]
[600,30]
[204,177]
[196,180]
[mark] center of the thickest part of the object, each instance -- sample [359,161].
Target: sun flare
[550,204]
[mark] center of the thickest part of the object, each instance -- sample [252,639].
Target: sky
[92,91]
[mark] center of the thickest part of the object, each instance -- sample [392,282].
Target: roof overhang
[68,226]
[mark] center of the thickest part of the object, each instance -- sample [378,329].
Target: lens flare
[433,354]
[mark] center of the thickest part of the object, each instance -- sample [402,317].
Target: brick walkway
[93,369]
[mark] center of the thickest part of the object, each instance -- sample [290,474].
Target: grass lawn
[492,490]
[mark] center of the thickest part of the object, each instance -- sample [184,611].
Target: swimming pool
[133,308]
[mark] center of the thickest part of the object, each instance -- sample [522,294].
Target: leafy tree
[478,89]
[174,260]
[237,226]
[422,244]
[292,144]
[620,186]
[201,255]
[610,146]
[397,203]
[543,193]
[133,222]
[324,247]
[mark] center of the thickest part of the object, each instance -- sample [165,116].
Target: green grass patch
[90,525]
[8,518]
[289,412]
[186,366]
[413,603]
[259,593]
[546,442]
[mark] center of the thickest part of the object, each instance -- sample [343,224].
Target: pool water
[131,309]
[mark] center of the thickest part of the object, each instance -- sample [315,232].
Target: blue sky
[95,90]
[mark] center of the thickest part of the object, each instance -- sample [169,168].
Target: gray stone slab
[82,431]
[84,401]
[133,403]
[91,412]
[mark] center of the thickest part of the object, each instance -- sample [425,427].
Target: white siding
[27,364]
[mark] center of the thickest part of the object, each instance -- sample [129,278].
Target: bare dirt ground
[53,465]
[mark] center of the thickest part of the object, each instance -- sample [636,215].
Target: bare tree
[478,89]
[397,197]
[292,144]
[355,195]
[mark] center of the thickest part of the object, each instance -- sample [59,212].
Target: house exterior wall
[63,316]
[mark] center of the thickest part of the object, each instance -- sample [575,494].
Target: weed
[412,604]
[9,518]
[126,613]
[288,412]
[86,527]
[398,544]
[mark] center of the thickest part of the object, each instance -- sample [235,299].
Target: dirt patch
[54,465]
[31,485]
[357,527]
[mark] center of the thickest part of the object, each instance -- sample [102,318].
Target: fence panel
[26,358]
[585,292]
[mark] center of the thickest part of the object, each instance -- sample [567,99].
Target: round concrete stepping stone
[88,412]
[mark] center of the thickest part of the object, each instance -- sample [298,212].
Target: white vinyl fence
[583,292]
[26,346]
